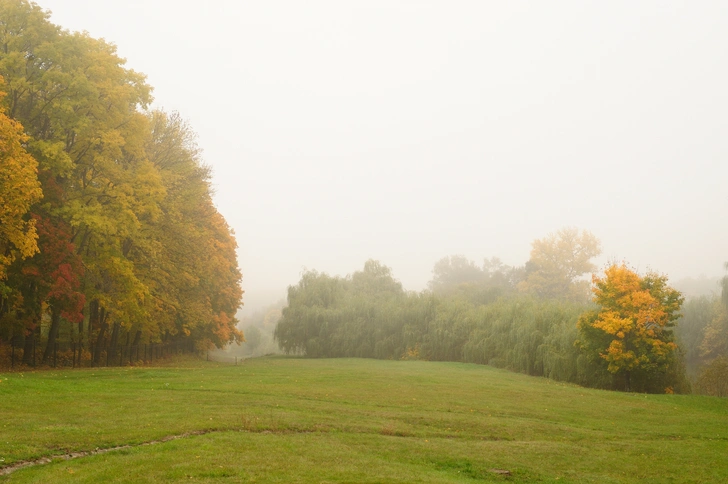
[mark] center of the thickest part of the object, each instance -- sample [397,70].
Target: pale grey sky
[406,131]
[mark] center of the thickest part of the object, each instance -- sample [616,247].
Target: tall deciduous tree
[190,264]
[631,331]
[19,190]
[558,261]
[53,279]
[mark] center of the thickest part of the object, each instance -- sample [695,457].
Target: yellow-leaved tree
[631,331]
[558,262]
[19,190]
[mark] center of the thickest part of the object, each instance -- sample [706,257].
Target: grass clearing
[351,420]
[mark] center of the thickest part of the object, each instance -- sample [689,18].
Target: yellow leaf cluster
[19,190]
[557,263]
[636,313]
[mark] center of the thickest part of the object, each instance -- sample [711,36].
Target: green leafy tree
[454,271]
[713,379]
[334,316]
[697,315]
[715,335]
[457,276]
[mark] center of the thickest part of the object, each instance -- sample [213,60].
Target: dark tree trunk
[80,328]
[28,346]
[626,381]
[93,314]
[137,338]
[114,337]
[103,325]
[52,333]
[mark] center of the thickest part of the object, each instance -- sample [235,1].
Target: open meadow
[349,420]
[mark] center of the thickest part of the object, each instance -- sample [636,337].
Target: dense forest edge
[108,231]
[622,331]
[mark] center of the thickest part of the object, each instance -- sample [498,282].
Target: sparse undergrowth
[297,420]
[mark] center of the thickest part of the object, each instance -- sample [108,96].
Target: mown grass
[349,420]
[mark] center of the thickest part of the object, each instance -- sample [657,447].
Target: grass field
[350,420]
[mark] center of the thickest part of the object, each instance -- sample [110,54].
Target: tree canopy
[126,238]
[558,261]
[367,314]
[19,190]
[631,329]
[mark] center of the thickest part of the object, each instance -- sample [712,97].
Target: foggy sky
[406,131]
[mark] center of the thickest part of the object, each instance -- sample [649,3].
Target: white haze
[406,131]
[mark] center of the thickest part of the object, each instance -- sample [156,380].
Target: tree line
[543,319]
[108,231]
[703,334]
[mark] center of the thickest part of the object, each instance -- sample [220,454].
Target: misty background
[405,131]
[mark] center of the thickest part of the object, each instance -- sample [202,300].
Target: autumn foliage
[107,224]
[631,331]
[558,262]
[19,189]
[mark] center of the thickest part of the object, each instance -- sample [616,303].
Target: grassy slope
[295,420]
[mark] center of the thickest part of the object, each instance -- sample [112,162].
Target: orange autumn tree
[631,331]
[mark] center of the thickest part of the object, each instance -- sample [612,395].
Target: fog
[406,131]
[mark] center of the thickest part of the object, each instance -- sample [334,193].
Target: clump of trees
[368,314]
[535,319]
[107,228]
[703,333]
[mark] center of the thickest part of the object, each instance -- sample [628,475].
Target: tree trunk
[80,327]
[93,320]
[103,325]
[3,306]
[93,314]
[28,346]
[137,337]
[626,381]
[52,333]
[114,337]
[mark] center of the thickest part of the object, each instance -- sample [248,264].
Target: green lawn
[351,420]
